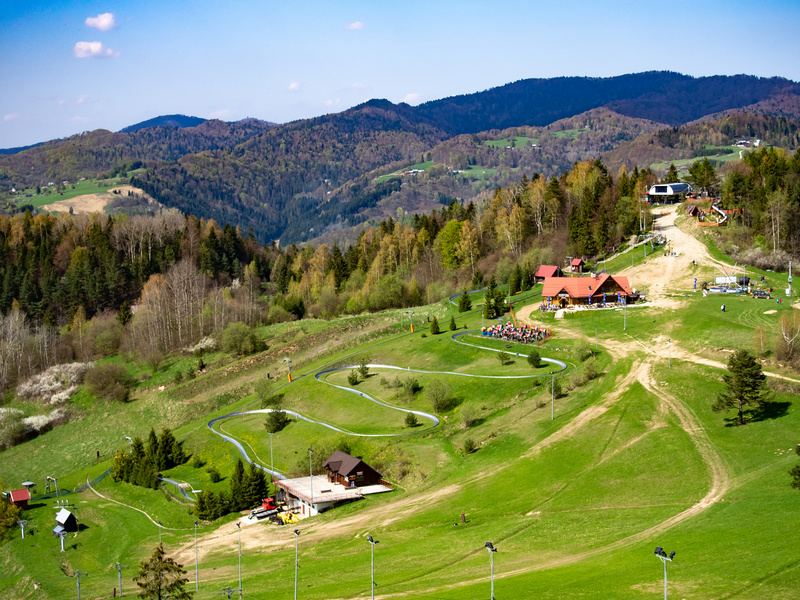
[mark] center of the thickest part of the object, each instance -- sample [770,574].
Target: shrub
[453,323]
[56,385]
[109,381]
[440,394]
[504,358]
[468,418]
[583,351]
[412,420]
[534,360]
[470,446]
[277,420]
[198,462]
[352,378]
[214,475]
[241,339]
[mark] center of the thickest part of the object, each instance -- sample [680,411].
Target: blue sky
[67,67]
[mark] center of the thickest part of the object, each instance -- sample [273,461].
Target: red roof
[577,262]
[547,271]
[20,495]
[585,287]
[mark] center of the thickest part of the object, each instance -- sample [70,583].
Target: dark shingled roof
[342,463]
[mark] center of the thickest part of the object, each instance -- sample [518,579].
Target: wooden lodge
[350,471]
[576,266]
[583,291]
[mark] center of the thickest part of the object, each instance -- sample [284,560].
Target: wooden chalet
[545,271]
[576,266]
[19,498]
[350,471]
[577,291]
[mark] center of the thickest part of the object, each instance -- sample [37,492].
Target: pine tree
[744,385]
[453,326]
[434,326]
[238,486]
[161,576]
[464,303]
[152,448]
[201,507]
[256,486]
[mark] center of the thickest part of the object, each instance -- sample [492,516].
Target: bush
[504,358]
[583,351]
[453,323]
[363,369]
[470,446]
[198,462]
[241,339]
[109,381]
[214,475]
[412,420]
[277,420]
[534,360]
[440,394]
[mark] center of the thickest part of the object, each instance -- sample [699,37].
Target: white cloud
[411,98]
[93,50]
[81,99]
[294,86]
[355,26]
[103,22]
[332,102]
[12,117]
[222,114]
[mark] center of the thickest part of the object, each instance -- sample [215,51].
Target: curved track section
[552,361]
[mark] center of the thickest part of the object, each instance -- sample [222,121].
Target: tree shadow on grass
[771,410]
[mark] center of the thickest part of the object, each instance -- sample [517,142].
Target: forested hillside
[100,152]
[661,96]
[704,138]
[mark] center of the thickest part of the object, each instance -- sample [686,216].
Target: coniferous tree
[744,385]
[161,576]
[464,303]
[453,326]
[238,486]
[435,326]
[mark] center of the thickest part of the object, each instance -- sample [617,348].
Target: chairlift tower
[22,524]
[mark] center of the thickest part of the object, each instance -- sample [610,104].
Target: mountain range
[294,181]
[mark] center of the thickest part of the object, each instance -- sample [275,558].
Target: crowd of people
[524,334]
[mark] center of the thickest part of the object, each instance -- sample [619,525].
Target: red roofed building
[547,271]
[576,266]
[19,498]
[576,291]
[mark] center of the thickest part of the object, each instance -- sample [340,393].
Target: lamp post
[62,535]
[289,368]
[130,443]
[310,479]
[410,314]
[78,575]
[196,570]
[239,527]
[22,524]
[372,543]
[552,396]
[119,576]
[492,550]
[670,352]
[662,554]
[271,462]
[296,538]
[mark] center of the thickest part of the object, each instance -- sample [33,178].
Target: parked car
[761,294]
